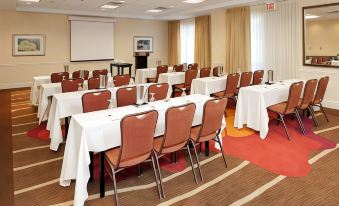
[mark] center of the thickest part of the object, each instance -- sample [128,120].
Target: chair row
[58,77]
[312,95]
[139,145]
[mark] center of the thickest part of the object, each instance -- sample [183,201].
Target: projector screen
[92,40]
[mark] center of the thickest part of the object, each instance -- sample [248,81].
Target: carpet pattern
[37,169]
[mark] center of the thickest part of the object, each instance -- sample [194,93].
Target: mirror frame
[304,43]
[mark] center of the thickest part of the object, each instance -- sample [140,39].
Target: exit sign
[270,6]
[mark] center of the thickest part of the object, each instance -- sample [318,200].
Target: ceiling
[131,8]
[328,12]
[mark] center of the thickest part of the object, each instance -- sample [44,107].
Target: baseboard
[15,85]
[331,104]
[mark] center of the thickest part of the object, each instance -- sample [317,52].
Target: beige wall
[18,71]
[322,37]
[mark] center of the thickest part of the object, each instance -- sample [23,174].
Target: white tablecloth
[142,74]
[253,102]
[98,132]
[334,63]
[66,105]
[35,88]
[208,85]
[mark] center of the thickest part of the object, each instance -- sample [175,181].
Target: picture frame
[143,44]
[29,44]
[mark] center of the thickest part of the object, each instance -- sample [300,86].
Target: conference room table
[253,102]
[100,131]
[68,104]
[208,85]
[35,88]
[173,78]
[141,75]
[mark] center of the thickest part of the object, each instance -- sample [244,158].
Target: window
[187,37]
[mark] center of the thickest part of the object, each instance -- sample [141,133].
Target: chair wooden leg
[322,109]
[222,150]
[156,176]
[197,159]
[283,121]
[159,172]
[313,116]
[190,157]
[299,121]
[91,166]
[115,188]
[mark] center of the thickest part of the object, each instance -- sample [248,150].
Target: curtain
[173,42]
[275,39]
[202,51]
[187,30]
[238,39]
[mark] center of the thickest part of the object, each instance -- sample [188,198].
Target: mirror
[321,35]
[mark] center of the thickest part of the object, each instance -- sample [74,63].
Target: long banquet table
[35,88]
[100,131]
[208,85]
[68,104]
[253,102]
[141,75]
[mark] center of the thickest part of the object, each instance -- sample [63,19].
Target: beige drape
[238,39]
[202,46]
[173,42]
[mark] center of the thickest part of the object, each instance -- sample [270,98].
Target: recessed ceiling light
[311,16]
[111,5]
[154,10]
[28,3]
[193,1]
[31,1]
[171,6]
[122,1]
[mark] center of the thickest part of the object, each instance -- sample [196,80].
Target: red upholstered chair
[258,77]
[290,107]
[305,103]
[320,93]
[160,70]
[193,66]
[210,128]
[121,80]
[71,85]
[189,76]
[160,91]
[178,68]
[205,72]
[137,135]
[245,80]
[126,96]
[76,74]
[178,123]
[97,73]
[58,77]
[216,71]
[95,101]
[231,87]
[94,83]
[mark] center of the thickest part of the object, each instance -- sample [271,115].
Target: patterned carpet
[37,169]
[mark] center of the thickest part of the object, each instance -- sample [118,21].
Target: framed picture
[29,44]
[143,44]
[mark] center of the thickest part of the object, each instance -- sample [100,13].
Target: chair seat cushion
[158,143]
[151,79]
[112,156]
[219,94]
[278,108]
[195,133]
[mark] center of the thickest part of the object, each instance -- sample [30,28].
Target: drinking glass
[152,99]
[183,92]
[80,87]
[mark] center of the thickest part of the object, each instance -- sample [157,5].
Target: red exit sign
[270,6]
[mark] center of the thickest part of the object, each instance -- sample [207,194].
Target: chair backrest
[71,85]
[126,96]
[232,84]
[258,77]
[94,83]
[189,76]
[178,68]
[137,134]
[245,79]
[193,66]
[160,91]
[321,89]
[178,124]
[205,72]
[95,101]
[309,91]
[58,77]
[97,73]
[161,69]
[294,96]
[121,80]
[76,74]
[216,71]
[213,115]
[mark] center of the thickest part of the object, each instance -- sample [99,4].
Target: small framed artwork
[29,44]
[143,44]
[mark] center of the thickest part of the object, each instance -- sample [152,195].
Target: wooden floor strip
[19,103]
[275,181]
[18,134]
[28,123]
[326,130]
[15,110]
[26,115]
[37,164]
[36,186]
[30,148]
